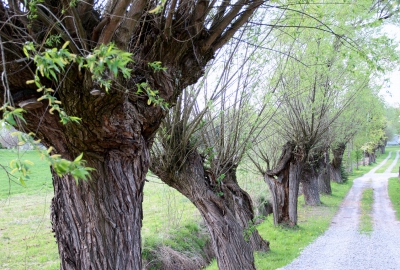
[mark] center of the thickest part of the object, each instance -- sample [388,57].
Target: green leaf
[78,158]
[21,180]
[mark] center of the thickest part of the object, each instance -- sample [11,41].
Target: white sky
[392,93]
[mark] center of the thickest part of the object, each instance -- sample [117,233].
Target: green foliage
[63,166]
[50,64]
[367,200]
[251,227]
[53,40]
[21,167]
[32,7]
[220,178]
[152,95]
[158,8]
[39,177]
[344,173]
[10,114]
[106,58]
[156,66]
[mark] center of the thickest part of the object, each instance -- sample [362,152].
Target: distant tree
[352,123]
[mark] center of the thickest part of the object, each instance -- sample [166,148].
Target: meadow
[27,241]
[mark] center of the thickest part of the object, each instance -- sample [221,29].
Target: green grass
[394,194]
[367,200]
[26,240]
[40,177]
[388,162]
[287,243]
[394,149]
[164,209]
[396,167]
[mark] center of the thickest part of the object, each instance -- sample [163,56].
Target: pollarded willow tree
[352,123]
[324,72]
[200,145]
[97,222]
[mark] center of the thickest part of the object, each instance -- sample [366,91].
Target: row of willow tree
[285,112]
[288,84]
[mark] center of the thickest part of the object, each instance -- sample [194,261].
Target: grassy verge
[396,167]
[367,200]
[40,178]
[394,194]
[388,162]
[26,240]
[287,243]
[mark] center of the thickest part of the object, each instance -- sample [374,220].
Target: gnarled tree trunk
[324,180]
[227,234]
[240,203]
[103,216]
[336,174]
[97,223]
[309,181]
[283,183]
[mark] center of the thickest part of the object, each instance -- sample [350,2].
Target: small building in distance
[395,140]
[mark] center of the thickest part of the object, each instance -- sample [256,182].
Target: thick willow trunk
[97,223]
[372,157]
[227,234]
[294,182]
[336,174]
[283,183]
[382,146]
[309,181]
[324,181]
[240,203]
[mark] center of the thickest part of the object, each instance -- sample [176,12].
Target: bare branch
[217,31]
[130,23]
[221,41]
[168,21]
[115,18]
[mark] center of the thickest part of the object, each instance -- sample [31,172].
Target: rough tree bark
[336,163]
[200,187]
[97,223]
[371,156]
[324,179]
[240,203]
[382,146]
[283,182]
[309,181]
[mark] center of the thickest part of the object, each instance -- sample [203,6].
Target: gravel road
[342,247]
